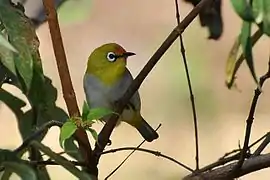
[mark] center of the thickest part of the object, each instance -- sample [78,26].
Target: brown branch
[192,100]
[222,173]
[156,153]
[250,119]
[228,157]
[105,133]
[67,88]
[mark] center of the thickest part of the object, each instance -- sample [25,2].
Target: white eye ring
[111,57]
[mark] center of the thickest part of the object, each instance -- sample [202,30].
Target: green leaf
[71,149]
[93,133]
[22,36]
[243,9]
[98,113]
[86,111]
[7,59]
[4,43]
[67,130]
[261,9]
[258,11]
[21,169]
[233,63]
[245,40]
[13,163]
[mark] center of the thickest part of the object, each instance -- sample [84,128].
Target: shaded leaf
[7,155]
[243,9]
[93,133]
[4,43]
[211,17]
[12,163]
[66,131]
[72,149]
[21,169]
[7,60]
[233,64]
[22,36]
[245,40]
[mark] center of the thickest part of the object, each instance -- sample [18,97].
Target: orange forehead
[119,50]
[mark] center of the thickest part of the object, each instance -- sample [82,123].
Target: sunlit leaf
[67,130]
[243,9]
[233,64]
[98,113]
[258,10]
[261,9]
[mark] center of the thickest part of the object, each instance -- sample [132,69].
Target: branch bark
[67,88]
[250,165]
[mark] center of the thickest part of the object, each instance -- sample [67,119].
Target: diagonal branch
[222,173]
[105,133]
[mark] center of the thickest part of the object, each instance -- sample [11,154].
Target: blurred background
[141,26]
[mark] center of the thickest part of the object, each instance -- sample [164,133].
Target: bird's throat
[109,76]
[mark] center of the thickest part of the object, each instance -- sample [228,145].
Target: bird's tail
[147,132]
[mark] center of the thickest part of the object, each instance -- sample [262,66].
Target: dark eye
[111,57]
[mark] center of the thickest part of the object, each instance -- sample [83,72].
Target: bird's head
[108,62]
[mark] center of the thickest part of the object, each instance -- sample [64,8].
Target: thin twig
[45,127]
[229,153]
[51,162]
[126,158]
[262,145]
[156,153]
[67,88]
[59,159]
[192,100]
[249,120]
[106,131]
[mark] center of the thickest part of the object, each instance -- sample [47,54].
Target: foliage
[251,12]
[21,66]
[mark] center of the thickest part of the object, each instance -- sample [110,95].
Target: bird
[105,81]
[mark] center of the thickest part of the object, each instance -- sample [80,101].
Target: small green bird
[106,80]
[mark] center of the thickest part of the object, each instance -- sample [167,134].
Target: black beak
[125,55]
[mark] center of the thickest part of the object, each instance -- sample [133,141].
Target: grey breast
[100,95]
